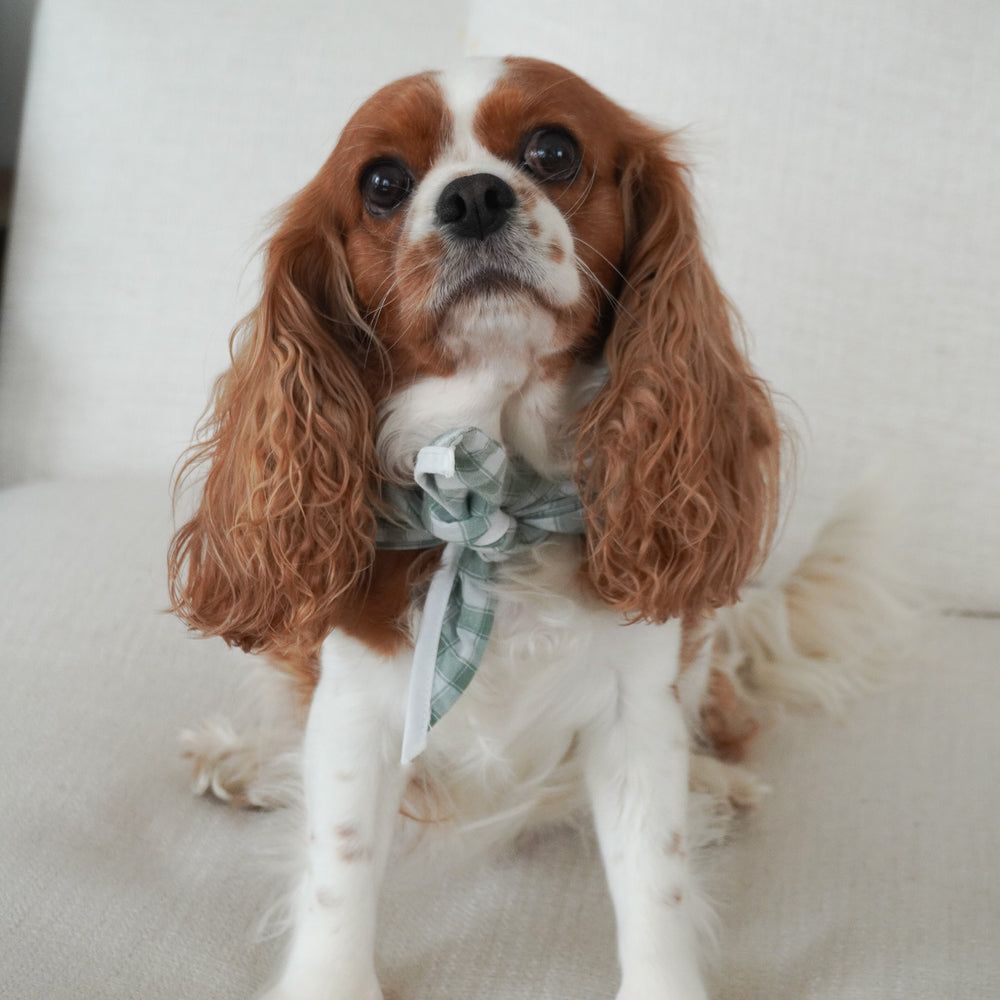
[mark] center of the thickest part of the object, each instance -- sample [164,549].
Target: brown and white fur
[505,248]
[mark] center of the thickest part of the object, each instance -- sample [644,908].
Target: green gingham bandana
[483,506]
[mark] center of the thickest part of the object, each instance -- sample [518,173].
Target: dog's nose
[475,206]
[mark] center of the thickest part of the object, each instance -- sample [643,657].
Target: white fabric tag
[435,460]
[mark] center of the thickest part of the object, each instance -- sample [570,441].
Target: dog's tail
[835,627]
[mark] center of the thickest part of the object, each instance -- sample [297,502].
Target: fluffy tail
[837,626]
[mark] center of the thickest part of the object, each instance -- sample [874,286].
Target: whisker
[592,248]
[578,204]
[596,284]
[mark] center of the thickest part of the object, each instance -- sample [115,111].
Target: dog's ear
[677,455]
[285,527]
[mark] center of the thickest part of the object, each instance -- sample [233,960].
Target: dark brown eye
[551,154]
[385,185]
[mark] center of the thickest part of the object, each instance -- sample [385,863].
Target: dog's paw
[688,987]
[304,991]
[225,764]
[733,786]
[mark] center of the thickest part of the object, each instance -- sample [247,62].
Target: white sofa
[846,162]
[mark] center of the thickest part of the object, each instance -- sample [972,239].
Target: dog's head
[504,247]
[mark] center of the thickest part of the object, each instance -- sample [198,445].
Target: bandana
[483,506]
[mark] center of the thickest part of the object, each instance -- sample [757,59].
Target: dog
[486,480]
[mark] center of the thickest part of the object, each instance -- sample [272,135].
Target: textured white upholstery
[846,164]
[846,160]
[158,140]
[871,871]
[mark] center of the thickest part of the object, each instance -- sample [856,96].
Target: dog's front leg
[636,760]
[353,783]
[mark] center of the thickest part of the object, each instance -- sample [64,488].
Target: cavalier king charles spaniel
[485,478]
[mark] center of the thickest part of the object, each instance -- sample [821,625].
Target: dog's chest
[550,669]
[512,397]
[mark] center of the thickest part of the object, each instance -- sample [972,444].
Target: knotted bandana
[483,506]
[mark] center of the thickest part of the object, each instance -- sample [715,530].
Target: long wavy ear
[677,455]
[285,526]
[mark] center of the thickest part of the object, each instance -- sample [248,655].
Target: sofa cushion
[845,160]
[158,139]
[868,872]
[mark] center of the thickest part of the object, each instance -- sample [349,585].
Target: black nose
[475,206]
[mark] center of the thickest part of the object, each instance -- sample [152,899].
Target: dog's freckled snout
[475,206]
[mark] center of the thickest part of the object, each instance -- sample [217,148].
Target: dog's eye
[551,154]
[385,185]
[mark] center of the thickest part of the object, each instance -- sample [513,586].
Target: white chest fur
[554,665]
[508,399]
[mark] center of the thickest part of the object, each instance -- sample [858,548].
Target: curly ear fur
[677,456]
[285,527]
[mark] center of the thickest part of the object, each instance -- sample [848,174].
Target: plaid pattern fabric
[483,506]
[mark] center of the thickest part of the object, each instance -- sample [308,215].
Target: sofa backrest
[845,161]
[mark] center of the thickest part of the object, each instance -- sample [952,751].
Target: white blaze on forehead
[464,88]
